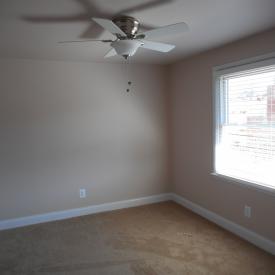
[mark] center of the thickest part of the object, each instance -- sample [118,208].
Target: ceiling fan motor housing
[128,25]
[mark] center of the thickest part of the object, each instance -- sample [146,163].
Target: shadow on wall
[91,9]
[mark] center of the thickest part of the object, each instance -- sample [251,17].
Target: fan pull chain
[128,73]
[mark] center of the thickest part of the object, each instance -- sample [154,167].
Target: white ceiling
[212,23]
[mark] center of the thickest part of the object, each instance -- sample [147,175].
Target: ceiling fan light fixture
[126,47]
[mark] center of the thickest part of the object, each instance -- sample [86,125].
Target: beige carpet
[159,239]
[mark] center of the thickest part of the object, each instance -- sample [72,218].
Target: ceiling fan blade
[110,53]
[90,9]
[143,27]
[109,26]
[82,17]
[92,31]
[145,6]
[157,46]
[165,31]
[88,40]
[88,6]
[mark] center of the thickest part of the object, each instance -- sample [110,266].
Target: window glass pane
[246,138]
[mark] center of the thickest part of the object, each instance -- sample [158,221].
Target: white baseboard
[61,215]
[241,231]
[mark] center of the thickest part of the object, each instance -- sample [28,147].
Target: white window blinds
[245,137]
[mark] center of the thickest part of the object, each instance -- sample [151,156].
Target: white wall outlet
[247,211]
[82,193]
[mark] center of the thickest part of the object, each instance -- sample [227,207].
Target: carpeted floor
[162,238]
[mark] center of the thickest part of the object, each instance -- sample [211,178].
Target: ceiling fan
[128,39]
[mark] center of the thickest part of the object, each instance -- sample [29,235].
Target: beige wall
[191,115]
[65,126]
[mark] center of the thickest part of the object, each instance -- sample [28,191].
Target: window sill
[246,184]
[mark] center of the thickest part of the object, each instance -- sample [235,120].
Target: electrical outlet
[82,193]
[247,211]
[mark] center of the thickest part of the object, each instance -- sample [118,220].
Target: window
[245,122]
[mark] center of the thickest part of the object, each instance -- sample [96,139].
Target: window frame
[217,72]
